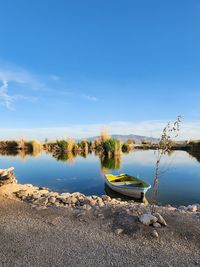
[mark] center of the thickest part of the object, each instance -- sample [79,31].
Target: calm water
[179,183]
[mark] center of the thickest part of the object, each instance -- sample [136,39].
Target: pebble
[105,198]
[80,214]
[147,219]
[157,225]
[192,208]
[41,201]
[184,208]
[160,220]
[119,231]
[52,200]
[65,195]
[155,234]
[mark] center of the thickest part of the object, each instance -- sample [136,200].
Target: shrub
[62,144]
[112,145]
[126,147]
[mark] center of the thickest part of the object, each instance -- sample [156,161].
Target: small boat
[127,185]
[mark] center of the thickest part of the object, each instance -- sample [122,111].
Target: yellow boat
[127,185]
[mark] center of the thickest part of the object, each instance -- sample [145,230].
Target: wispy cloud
[90,98]
[12,78]
[78,94]
[15,77]
[5,99]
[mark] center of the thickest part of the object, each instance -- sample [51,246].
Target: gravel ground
[57,237]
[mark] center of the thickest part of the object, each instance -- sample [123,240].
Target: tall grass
[104,136]
[112,147]
[37,147]
[66,145]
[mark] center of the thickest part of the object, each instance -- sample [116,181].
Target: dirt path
[56,237]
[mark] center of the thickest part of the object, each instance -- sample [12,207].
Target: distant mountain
[123,138]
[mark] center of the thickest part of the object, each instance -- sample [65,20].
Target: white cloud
[10,77]
[16,77]
[5,99]
[189,130]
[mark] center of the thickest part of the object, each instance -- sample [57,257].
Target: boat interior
[125,180]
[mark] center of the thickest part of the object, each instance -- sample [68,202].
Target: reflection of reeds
[70,144]
[21,148]
[22,154]
[110,163]
[68,157]
[36,147]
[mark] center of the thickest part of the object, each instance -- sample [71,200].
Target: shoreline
[42,198]
[98,233]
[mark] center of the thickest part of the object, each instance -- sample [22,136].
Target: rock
[52,200]
[90,201]
[171,208]
[71,200]
[192,208]
[21,193]
[100,216]
[147,219]
[155,234]
[80,214]
[36,196]
[119,231]
[57,204]
[105,198]
[29,185]
[156,225]
[160,220]
[63,199]
[87,207]
[184,208]
[4,173]
[11,169]
[65,195]
[23,197]
[43,188]
[53,194]
[100,202]
[113,201]
[40,208]
[76,194]
[42,201]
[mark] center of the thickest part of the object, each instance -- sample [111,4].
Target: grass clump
[111,146]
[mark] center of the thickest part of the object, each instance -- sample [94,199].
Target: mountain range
[123,138]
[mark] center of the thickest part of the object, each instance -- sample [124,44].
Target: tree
[164,146]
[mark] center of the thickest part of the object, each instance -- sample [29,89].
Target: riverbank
[69,237]
[43,228]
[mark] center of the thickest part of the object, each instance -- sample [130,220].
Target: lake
[179,183]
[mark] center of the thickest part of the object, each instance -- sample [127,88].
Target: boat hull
[131,192]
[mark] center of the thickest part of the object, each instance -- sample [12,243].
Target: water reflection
[21,153]
[179,185]
[195,154]
[110,163]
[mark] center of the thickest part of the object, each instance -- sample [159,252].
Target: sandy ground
[56,237]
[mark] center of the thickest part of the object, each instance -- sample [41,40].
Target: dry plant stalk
[104,135]
[170,132]
[70,144]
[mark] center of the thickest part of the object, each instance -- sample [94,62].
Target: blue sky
[72,67]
